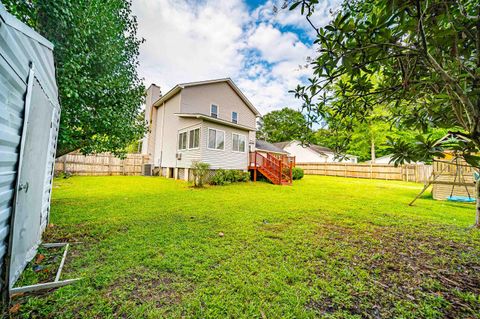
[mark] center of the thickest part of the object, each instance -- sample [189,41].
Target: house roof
[215,120]
[177,88]
[268,147]
[321,150]
[316,148]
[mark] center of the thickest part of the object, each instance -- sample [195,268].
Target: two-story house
[208,121]
[211,122]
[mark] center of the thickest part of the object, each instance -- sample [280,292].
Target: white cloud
[285,17]
[276,46]
[191,41]
[188,42]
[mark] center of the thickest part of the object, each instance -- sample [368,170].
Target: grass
[324,247]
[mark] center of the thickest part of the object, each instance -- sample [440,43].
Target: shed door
[28,205]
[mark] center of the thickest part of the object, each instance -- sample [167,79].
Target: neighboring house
[313,153]
[381,160]
[209,121]
[264,147]
[387,159]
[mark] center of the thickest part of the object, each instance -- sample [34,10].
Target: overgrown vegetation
[96,59]
[324,247]
[223,177]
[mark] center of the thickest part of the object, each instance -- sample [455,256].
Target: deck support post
[255,167]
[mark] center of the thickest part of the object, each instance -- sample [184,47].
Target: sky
[263,51]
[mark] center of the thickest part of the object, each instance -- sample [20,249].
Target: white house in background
[209,121]
[381,160]
[313,153]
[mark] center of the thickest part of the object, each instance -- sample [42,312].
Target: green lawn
[332,247]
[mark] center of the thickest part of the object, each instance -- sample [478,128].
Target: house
[313,153]
[381,160]
[387,160]
[208,121]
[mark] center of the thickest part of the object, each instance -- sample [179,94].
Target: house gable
[199,98]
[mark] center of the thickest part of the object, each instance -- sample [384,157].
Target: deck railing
[278,169]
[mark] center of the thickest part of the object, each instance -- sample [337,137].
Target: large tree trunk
[372,151]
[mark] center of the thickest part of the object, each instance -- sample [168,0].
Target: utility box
[29,122]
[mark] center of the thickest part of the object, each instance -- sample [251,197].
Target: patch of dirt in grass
[394,271]
[148,286]
[84,233]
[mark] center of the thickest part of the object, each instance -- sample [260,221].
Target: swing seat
[461,199]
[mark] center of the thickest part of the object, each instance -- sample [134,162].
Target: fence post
[65,163]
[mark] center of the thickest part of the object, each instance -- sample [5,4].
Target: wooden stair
[276,170]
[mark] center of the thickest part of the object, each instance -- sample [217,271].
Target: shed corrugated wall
[20,46]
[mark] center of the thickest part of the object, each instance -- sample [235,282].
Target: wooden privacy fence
[100,164]
[411,172]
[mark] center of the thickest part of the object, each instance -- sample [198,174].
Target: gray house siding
[226,158]
[172,116]
[198,99]
[190,155]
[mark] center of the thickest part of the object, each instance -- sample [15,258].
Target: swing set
[458,178]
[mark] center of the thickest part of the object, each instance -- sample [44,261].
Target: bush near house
[297,173]
[200,172]
[222,177]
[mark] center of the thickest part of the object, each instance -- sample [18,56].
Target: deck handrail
[277,169]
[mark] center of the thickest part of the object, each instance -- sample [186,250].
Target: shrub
[200,171]
[223,177]
[297,173]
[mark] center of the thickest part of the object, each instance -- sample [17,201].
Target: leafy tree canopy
[96,56]
[418,58]
[284,125]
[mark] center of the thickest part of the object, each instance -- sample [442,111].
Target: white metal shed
[29,122]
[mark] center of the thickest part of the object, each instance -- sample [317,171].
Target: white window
[238,142]
[234,117]
[182,141]
[216,139]
[194,138]
[214,110]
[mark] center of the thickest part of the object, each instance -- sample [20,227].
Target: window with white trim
[234,117]
[194,138]
[182,141]
[238,142]
[216,139]
[214,111]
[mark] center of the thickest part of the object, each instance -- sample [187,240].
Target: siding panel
[227,158]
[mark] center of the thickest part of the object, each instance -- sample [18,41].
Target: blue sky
[262,51]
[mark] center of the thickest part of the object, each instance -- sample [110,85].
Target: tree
[427,55]
[365,139]
[284,125]
[96,56]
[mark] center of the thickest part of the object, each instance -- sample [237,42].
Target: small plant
[297,173]
[199,171]
[223,177]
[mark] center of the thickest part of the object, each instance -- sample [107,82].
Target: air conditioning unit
[147,169]
[179,156]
